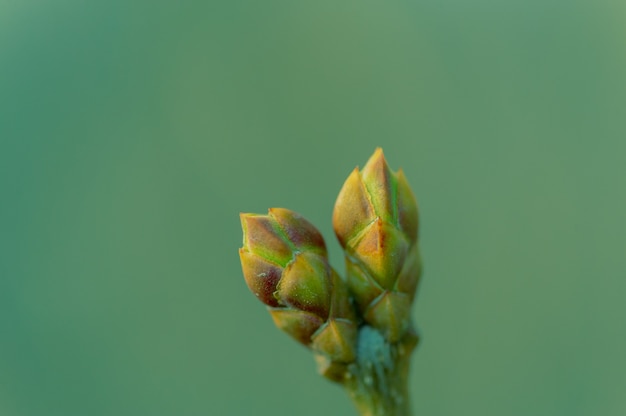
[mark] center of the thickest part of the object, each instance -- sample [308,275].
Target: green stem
[378,381]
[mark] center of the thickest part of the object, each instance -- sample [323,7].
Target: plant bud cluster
[285,265]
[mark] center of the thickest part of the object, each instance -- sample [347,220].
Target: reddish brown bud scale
[262,236]
[261,276]
[302,234]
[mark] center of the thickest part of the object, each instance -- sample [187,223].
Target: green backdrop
[133,133]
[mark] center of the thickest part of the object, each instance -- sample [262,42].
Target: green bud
[270,242]
[376,222]
[375,193]
[284,262]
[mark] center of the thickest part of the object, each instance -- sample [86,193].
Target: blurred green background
[133,133]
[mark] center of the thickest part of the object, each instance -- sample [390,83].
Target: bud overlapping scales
[285,264]
[376,221]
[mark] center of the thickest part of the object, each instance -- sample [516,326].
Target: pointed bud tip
[246,218]
[243,217]
[379,181]
[377,160]
[378,153]
[277,211]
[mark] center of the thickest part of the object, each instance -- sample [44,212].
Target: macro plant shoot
[358,327]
